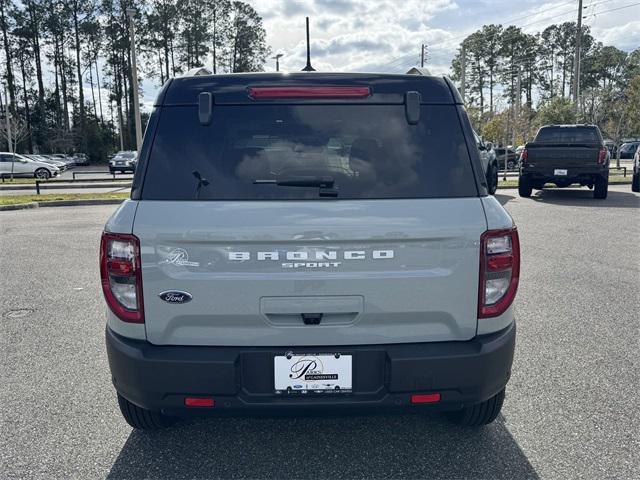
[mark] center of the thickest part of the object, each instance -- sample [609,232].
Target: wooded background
[496,56]
[52,47]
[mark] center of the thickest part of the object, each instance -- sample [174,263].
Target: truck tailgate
[574,157]
[379,271]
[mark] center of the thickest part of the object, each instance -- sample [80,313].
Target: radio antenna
[308,67]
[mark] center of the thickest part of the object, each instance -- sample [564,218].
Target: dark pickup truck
[565,155]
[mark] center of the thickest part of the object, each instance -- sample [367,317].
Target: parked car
[488,161]
[61,157]
[58,163]
[511,155]
[62,166]
[291,274]
[20,166]
[81,159]
[565,155]
[628,149]
[635,179]
[123,162]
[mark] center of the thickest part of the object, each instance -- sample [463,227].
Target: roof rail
[196,72]
[419,71]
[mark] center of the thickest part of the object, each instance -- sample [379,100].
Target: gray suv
[309,241]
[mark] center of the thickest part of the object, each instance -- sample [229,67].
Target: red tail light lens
[524,156]
[121,275]
[602,156]
[262,93]
[499,271]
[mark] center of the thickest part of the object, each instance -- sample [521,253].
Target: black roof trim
[232,88]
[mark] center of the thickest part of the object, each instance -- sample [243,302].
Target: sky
[386,35]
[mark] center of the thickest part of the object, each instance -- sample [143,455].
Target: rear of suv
[309,241]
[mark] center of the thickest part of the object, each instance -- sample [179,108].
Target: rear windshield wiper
[324,184]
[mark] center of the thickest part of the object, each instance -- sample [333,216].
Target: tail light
[602,156]
[121,276]
[499,271]
[524,156]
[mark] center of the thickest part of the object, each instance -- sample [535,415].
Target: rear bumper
[241,378]
[574,175]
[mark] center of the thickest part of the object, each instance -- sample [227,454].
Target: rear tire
[492,180]
[635,182]
[480,414]
[524,187]
[601,188]
[141,418]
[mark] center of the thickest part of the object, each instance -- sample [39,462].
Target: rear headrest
[364,149]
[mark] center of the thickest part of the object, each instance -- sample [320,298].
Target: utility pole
[463,76]
[422,57]
[134,80]
[516,113]
[576,63]
[7,112]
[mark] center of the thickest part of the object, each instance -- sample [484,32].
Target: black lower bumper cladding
[242,378]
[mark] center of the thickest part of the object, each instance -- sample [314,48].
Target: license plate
[312,373]
[560,171]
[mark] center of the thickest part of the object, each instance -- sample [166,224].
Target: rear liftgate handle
[311,318]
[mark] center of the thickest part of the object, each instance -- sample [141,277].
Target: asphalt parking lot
[571,408]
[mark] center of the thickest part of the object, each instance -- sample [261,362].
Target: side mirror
[481,147]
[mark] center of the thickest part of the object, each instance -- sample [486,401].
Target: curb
[19,206]
[62,203]
[507,187]
[44,186]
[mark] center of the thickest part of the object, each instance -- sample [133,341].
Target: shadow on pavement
[584,198]
[371,446]
[503,199]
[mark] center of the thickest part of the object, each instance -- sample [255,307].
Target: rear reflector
[260,93]
[199,402]
[425,398]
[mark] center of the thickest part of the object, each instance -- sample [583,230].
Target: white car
[19,166]
[42,159]
[123,162]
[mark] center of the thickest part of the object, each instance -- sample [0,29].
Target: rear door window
[568,135]
[369,151]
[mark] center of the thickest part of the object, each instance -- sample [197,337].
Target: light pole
[277,59]
[134,79]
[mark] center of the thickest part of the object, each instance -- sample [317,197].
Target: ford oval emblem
[175,296]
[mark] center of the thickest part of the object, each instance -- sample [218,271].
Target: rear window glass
[369,151]
[568,135]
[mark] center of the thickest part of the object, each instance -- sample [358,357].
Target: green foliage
[525,69]
[558,110]
[54,51]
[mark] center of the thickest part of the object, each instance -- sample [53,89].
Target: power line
[615,9]
[402,59]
